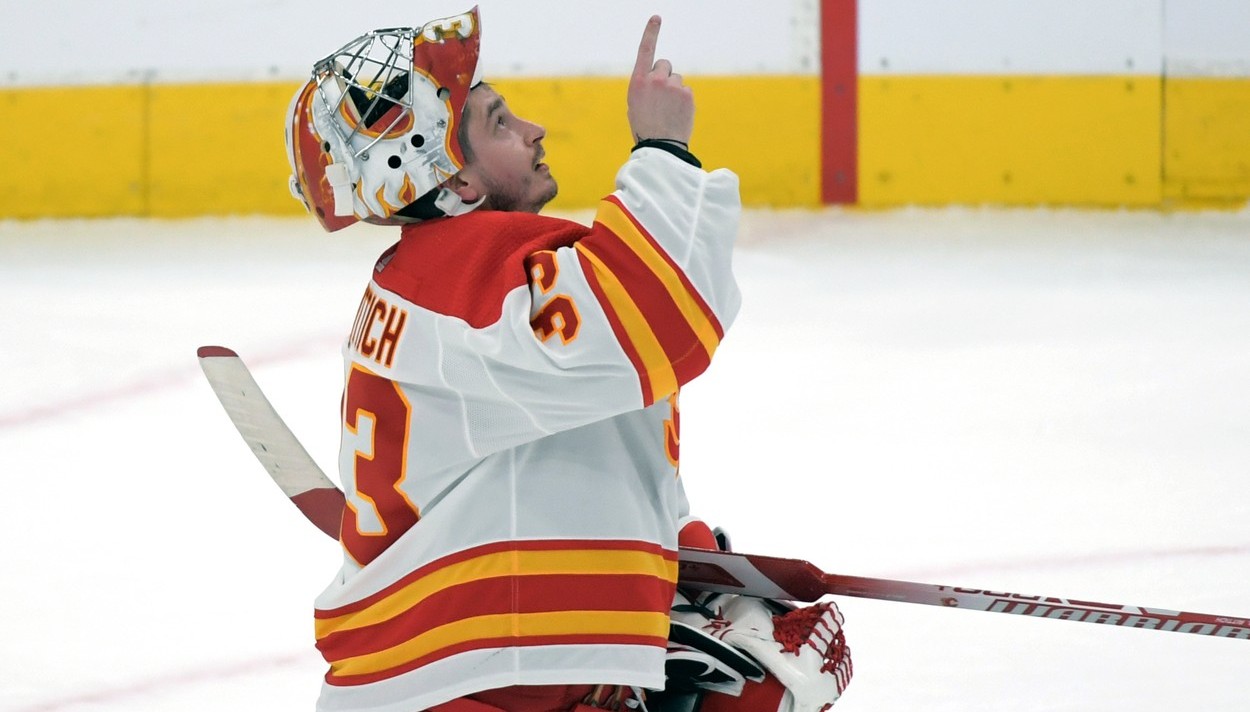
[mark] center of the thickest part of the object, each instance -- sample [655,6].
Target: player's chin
[532,200]
[549,188]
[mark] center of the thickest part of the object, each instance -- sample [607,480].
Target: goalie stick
[273,443]
[322,502]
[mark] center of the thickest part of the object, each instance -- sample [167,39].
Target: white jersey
[510,443]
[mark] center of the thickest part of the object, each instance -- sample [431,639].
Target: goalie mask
[374,131]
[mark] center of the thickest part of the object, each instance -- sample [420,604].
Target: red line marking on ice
[145,386]
[164,683]
[165,380]
[1054,562]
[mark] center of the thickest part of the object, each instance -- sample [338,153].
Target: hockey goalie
[510,417]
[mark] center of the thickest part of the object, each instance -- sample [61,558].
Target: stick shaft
[797,580]
[1042,606]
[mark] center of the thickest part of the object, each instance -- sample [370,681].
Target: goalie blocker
[732,653]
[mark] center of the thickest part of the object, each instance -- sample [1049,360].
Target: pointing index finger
[646,48]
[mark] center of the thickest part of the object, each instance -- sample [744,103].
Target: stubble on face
[518,196]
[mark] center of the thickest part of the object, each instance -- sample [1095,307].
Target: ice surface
[1045,402]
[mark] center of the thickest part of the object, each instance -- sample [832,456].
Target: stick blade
[286,460]
[271,441]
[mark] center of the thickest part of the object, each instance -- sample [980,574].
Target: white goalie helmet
[373,133]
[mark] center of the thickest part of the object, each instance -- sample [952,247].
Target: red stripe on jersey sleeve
[688,287]
[676,336]
[618,329]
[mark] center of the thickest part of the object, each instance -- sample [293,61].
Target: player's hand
[660,106]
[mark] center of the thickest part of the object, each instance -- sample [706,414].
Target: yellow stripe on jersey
[659,369]
[613,217]
[501,626]
[503,563]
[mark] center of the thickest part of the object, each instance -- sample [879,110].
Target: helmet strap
[452,204]
[341,182]
[438,203]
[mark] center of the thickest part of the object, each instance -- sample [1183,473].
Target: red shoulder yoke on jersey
[464,266]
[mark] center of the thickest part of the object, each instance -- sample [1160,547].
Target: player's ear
[463,184]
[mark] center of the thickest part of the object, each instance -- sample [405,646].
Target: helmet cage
[374,86]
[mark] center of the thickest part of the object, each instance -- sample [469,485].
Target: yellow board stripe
[659,369]
[159,145]
[524,625]
[614,218]
[1010,140]
[504,563]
